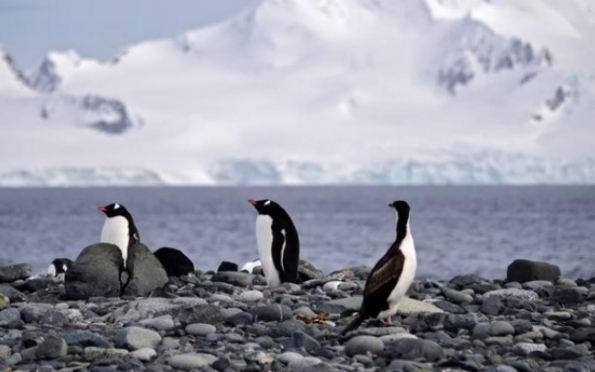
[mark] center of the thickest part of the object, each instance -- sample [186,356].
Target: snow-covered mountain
[319,91]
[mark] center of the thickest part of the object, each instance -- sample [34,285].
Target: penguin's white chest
[405,280]
[116,231]
[264,240]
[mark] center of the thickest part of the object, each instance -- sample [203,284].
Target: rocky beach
[531,320]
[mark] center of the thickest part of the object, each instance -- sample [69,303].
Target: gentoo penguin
[278,243]
[174,262]
[119,228]
[59,266]
[392,275]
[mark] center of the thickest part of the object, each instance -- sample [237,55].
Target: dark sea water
[457,230]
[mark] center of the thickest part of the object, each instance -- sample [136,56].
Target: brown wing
[381,282]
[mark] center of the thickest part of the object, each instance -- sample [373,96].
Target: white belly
[405,280]
[115,231]
[264,240]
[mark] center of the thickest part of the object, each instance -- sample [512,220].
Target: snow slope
[320,91]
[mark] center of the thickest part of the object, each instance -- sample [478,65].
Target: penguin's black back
[174,261]
[284,232]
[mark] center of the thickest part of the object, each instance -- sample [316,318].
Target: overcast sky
[99,29]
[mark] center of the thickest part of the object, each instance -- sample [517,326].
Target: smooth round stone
[303,363]
[134,338]
[191,361]
[482,330]
[331,286]
[200,329]
[161,323]
[459,297]
[397,336]
[525,348]
[228,313]
[559,315]
[144,355]
[10,315]
[501,328]
[251,296]
[536,284]
[303,311]
[289,356]
[364,344]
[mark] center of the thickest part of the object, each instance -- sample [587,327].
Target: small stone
[331,286]
[241,318]
[134,338]
[32,312]
[55,318]
[289,356]
[302,311]
[4,301]
[250,296]
[303,364]
[459,297]
[568,353]
[239,279]
[363,344]
[144,355]
[414,349]
[92,353]
[466,280]
[208,314]
[521,294]
[5,353]
[10,315]
[526,348]
[482,330]
[537,284]
[200,329]
[341,305]
[501,328]
[161,323]
[52,347]
[273,313]
[387,339]
[567,295]
[10,273]
[500,341]
[191,361]
[524,271]
[302,340]
[559,315]
[454,323]
[13,294]
[83,338]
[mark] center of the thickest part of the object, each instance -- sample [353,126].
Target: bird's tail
[353,324]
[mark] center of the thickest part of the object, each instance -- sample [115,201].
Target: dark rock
[95,273]
[300,340]
[174,261]
[581,335]
[307,271]
[243,318]
[227,266]
[493,305]
[567,296]
[13,294]
[415,349]
[145,271]
[9,315]
[207,314]
[84,339]
[525,271]
[453,323]
[33,312]
[239,279]
[52,347]
[286,328]
[466,280]
[361,345]
[449,307]
[341,305]
[10,273]
[35,284]
[54,318]
[273,313]
[572,352]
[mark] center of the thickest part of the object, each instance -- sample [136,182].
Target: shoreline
[231,321]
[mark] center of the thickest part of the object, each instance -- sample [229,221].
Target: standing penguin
[119,228]
[278,243]
[392,275]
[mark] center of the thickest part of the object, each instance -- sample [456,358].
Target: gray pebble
[200,329]
[251,296]
[191,361]
[273,313]
[459,297]
[525,348]
[364,344]
[52,347]
[134,338]
[161,323]
[289,356]
[144,355]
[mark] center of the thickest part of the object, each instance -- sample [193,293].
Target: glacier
[318,92]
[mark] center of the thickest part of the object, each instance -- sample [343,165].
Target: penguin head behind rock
[265,206]
[114,209]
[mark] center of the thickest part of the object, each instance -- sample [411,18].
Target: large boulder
[146,274]
[10,273]
[95,273]
[525,271]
